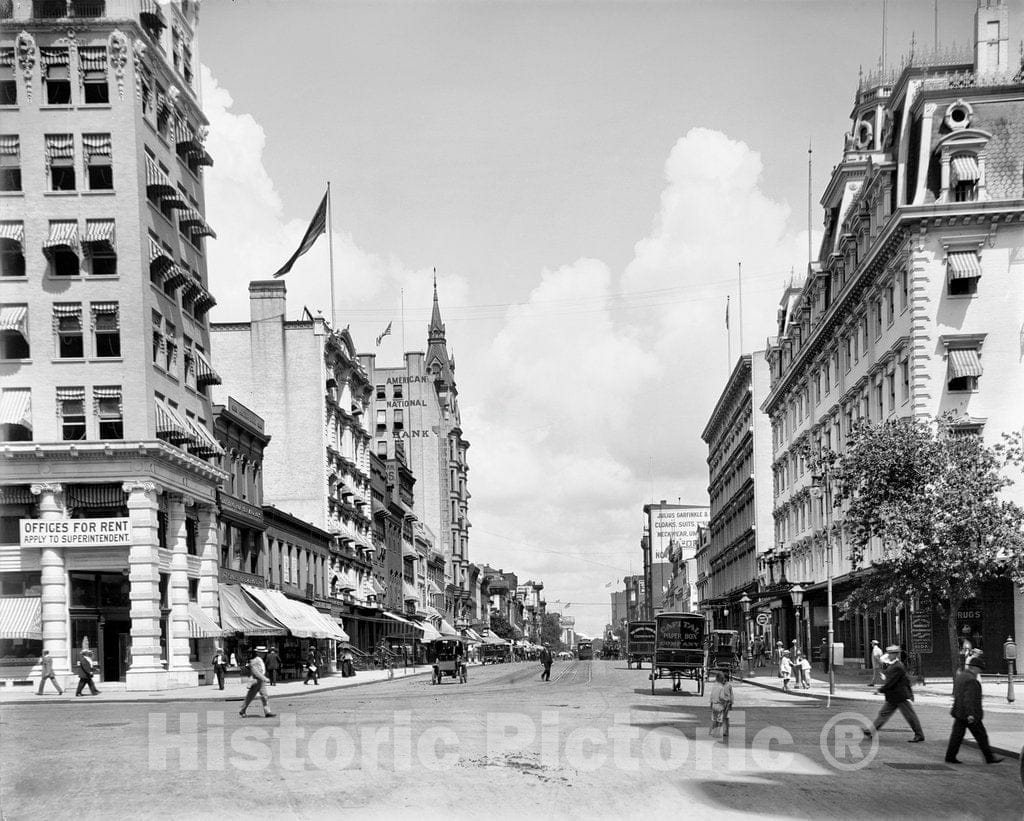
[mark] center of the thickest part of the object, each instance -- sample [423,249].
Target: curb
[43,702]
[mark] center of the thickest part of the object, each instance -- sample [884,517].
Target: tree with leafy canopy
[931,495]
[500,626]
[551,632]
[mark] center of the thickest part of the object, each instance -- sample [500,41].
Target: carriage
[639,643]
[447,656]
[680,649]
[725,654]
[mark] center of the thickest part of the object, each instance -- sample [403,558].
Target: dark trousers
[272,675]
[219,673]
[81,686]
[53,678]
[906,710]
[546,675]
[312,674]
[960,726]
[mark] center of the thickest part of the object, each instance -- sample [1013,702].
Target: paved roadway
[591,743]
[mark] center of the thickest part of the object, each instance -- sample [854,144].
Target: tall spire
[438,360]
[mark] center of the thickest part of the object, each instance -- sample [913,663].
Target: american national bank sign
[76,532]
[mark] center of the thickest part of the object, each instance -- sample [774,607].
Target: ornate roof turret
[439,363]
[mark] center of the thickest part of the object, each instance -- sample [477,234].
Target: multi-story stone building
[304,379]
[738,436]
[104,340]
[416,405]
[911,309]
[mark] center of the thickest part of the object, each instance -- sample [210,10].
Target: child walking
[721,704]
[785,670]
[805,671]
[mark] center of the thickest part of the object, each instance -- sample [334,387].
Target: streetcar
[584,650]
[680,649]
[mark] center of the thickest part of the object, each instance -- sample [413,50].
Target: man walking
[312,666]
[258,671]
[876,663]
[898,694]
[967,713]
[47,674]
[273,665]
[545,659]
[85,673]
[220,666]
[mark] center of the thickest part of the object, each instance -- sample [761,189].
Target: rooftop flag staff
[320,224]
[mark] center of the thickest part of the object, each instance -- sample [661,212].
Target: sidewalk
[234,690]
[1004,721]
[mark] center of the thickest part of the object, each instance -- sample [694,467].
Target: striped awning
[157,182]
[59,147]
[105,309]
[964,362]
[169,427]
[12,318]
[409,592]
[102,496]
[205,374]
[14,231]
[205,445]
[99,235]
[176,276]
[204,302]
[190,287]
[62,310]
[6,58]
[54,57]
[96,145]
[175,199]
[16,495]
[150,10]
[160,262]
[16,407]
[430,633]
[239,615]
[965,168]
[70,394]
[432,588]
[63,234]
[192,222]
[10,145]
[21,617]
[92,58]
[963,264]
[447,630]
[200,625]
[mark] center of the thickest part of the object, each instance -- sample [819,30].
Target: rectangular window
[396,391]
[71,409]
[55,66]
[93,74]
[382,420]
[60,161]
[865,335]
[905,378]
[381,393]
[14,332]
[106,329]
[890,383]
[12,249]
[109,412]
[879,401]
[849,352]
[8,85]
[163,112]
[964,369]
[828,378]
[146,86]
[67,318]
[890,304]
[399,420]
[382,448]
[97,150]
[158,338]
[10,162]
[98,246]
[171,348]
[904,288]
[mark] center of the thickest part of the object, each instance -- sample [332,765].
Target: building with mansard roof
[912,308]
[416,405]
[102,276]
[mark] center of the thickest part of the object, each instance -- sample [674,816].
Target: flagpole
[728,337]
[403,321]
[739,270]
[330,246]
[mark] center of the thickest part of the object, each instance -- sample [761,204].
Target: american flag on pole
[317,226]
[384,333]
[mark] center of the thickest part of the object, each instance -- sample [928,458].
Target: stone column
[54,581]
[209,560]
[177,644]
[145,672]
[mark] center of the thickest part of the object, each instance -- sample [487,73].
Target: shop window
[68,322]
[56,75]
[71,409]
[109,412]
[10,162]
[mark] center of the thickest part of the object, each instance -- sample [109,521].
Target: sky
[587,179]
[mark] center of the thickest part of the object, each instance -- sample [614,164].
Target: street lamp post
[796,592]
[745,605]
[1010,654]
[822,487]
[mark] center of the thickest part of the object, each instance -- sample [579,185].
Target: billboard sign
[675,525]
[76,532]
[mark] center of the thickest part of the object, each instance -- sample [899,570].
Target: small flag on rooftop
[384,333]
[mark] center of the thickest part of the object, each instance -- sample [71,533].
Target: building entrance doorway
[115,643]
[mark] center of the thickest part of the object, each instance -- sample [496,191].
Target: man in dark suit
[967,713]
[85,673]
[898,695]
[545,659]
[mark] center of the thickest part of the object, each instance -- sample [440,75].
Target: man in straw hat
[967,712]
[258,670]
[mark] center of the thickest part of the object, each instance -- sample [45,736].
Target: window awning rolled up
[965,168]
[963,264]
[964,362]
[239,615]
[92,58]
[21,617]
[13,318]
[200,625]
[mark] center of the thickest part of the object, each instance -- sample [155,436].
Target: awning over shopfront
[399,619]
[21,617]
[200,625]
[493,639]
[447,630]
[300,619]
[430,633]
[472,635]
[334,628]
[239,615]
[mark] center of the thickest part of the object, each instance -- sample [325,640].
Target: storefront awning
[21,617]
[200,625]
[238,615]
[300,619]
[964,362]
[448,630]
[472,635]
[333,628]
[430,633]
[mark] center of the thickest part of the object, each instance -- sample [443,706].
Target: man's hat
[874,641]
[261,649]
[893,649]
[977,662]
